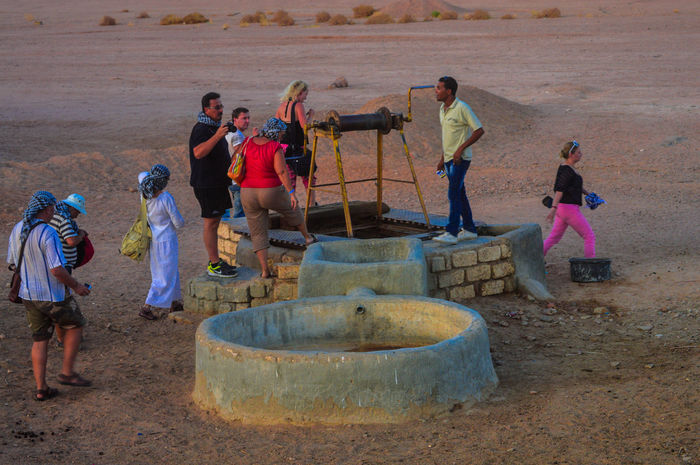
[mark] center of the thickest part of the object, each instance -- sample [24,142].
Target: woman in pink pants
[566,206]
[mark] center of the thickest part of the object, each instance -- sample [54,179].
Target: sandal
[147,313]
[74,380]
[176,307]
[44,394]
[313,240]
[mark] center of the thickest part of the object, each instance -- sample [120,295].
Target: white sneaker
[465,235]
[446,238]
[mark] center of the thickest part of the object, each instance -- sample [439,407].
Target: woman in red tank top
[267,187]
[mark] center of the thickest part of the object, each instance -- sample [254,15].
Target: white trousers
[165,276]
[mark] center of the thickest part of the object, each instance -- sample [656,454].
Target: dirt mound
[501,118]
[419,8]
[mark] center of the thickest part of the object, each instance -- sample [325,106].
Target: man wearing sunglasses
[209,162]
[460,129]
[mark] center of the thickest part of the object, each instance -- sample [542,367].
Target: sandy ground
[84,108]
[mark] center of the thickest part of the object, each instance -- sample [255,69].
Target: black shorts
[214,201]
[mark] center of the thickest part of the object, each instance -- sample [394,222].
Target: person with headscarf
[163,219]
[209,162]
[266,186]
[44,292]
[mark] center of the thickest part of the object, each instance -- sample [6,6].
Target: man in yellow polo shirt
[460,129]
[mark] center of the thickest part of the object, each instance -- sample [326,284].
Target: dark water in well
[326,346]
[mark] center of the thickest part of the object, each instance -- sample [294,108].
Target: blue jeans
[457,195]
[237,207]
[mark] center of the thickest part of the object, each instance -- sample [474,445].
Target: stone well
[387,266]
[343,359]
[504,258]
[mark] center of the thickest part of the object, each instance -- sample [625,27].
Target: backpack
[138,238]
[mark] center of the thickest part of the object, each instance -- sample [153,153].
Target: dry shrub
[194,18]
[547,13]
[478,15]
[379,18]
[448,15]
[108,21]
[508,16]
[29,17]
[143,15]
[362,11]
[125,10]
[278,16]
[406,19]
[322,17]
[286,21]
[282,18]
[224,26]
[338,20]
[259,17]
[170,19]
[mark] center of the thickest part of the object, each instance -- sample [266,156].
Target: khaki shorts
[42,316]
[256,202]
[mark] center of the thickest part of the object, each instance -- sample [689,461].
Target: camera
[231,127]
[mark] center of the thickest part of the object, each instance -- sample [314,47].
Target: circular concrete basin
[335,360]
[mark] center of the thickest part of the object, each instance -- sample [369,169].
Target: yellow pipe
[408,118]
[341,178]
[415,178]
[311,187]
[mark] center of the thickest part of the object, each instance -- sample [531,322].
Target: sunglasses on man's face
[217,107]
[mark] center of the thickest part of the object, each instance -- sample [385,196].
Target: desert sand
[84,108]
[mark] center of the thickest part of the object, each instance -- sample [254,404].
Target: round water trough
[335,360]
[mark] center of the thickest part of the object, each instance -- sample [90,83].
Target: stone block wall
[469,269]
[457,273]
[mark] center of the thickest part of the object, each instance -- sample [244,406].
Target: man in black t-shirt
[209,162]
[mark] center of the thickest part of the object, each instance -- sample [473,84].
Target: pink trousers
[570,215]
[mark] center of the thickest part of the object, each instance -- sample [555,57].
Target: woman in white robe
[163,219]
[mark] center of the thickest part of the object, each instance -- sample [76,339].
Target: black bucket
[590,270]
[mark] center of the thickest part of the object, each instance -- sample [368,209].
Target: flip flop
[314,240]
[176,307]
[48,393]
[74,380]
[147,314]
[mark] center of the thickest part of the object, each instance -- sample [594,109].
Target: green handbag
[138,238]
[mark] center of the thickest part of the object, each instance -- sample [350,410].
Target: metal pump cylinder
[382,120]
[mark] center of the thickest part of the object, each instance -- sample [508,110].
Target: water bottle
[441,173]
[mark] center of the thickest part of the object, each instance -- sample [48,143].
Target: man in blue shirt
[43,292]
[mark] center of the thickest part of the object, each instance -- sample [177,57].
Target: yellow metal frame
[334,134]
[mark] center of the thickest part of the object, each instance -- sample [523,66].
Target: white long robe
[164,218]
